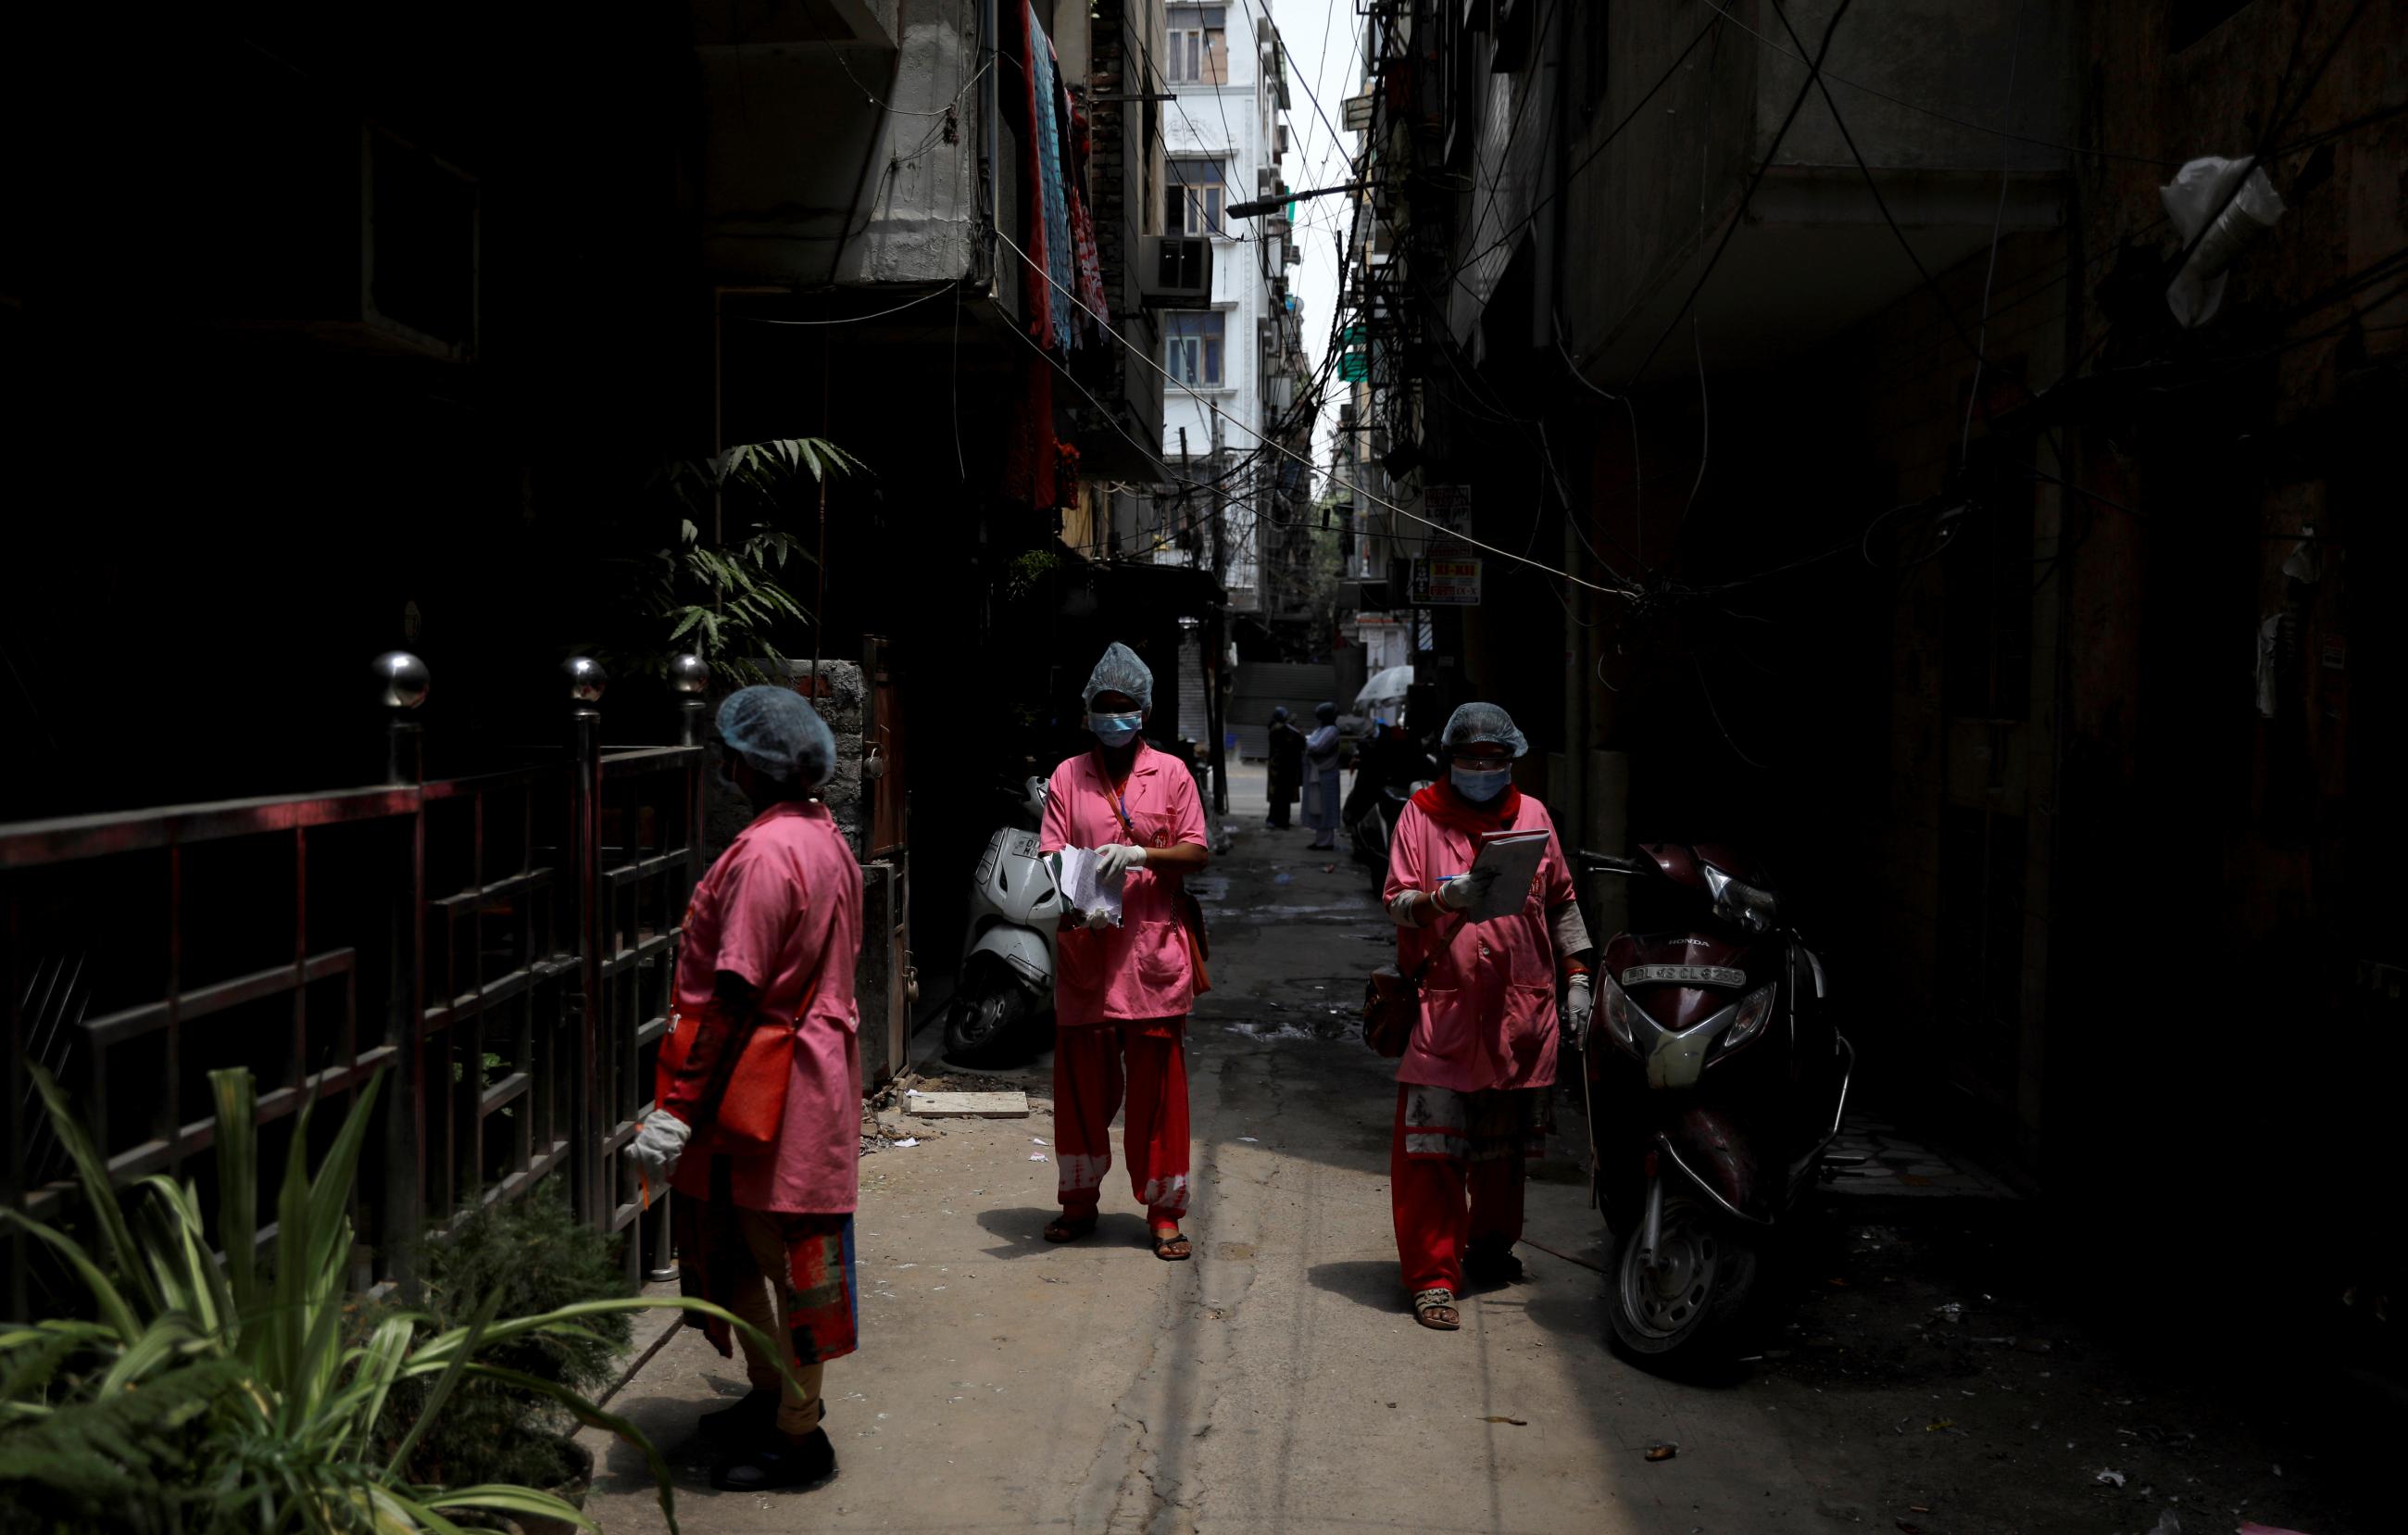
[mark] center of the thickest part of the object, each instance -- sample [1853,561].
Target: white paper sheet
[1084,887]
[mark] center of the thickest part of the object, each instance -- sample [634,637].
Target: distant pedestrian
[1287,766]
[770,941]
[1471,1089]
[1122,993]
[1321,751]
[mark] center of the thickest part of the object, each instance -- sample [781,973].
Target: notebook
[1515,856]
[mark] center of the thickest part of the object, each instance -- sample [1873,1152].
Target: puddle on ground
[1322,1027]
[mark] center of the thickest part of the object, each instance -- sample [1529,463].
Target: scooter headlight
[1743,905]
[1754,1010]
[1618,1015]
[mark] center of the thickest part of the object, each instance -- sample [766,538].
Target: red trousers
[1089,1086]
[1427,1191]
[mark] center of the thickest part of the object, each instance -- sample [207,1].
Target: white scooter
[1006,987]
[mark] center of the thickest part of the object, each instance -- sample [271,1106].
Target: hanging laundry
[1097,313]
[1050,229]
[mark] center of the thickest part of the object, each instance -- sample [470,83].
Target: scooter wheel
[1690,1302]
[981,1025]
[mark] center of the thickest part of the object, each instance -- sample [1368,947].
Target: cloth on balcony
[1065,282]
[1049,233]
[1096,315]
[1031,454]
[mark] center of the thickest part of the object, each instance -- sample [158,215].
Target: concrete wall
[1658,192]
[796,160]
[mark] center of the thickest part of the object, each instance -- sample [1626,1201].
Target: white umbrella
[1388,687]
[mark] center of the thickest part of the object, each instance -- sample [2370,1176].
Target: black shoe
[779,1463]
[742,1421]
[1492,1266]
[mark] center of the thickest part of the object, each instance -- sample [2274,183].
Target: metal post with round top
[402,682]
[586,681]
[689,680]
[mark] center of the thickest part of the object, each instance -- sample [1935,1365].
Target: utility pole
[1186,479]
[1220,499]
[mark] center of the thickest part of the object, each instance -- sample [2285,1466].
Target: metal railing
[501,945]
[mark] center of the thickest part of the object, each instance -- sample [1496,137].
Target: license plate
[1685,975]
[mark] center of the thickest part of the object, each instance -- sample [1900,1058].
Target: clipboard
[1515,856]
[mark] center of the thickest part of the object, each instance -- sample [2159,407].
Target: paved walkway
[1275,1383]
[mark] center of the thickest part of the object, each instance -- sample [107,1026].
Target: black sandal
[1069,1229]
[1435,1309]
[1172,1247]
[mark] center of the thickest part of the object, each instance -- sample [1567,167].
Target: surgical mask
[1116,729]
[1481,786]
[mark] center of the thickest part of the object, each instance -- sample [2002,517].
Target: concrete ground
[1278,1382]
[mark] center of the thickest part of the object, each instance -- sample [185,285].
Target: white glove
[1098,920]
[1459,893]
[659,1143]
[1577,1007]
[1119,858]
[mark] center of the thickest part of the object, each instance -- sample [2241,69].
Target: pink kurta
[1142,968]
[781,907]
[1488,999]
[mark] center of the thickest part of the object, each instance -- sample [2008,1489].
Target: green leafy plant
[210,1393]
[1028,570]
[536,1255]
[726,599]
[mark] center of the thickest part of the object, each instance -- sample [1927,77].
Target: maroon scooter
[1716,1079]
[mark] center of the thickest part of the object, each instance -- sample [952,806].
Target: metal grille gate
[501,945]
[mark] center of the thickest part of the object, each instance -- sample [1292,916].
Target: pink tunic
[1142,968]
[1488,999]
[781,907]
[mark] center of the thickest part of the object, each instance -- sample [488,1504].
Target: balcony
[1813,254]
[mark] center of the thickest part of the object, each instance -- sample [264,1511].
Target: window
[1194,347]
[1192,197]
[1199,45]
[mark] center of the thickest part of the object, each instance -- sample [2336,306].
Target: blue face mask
[1116,729]
[1481,786]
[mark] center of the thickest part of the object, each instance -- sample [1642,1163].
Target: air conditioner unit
[1178,272]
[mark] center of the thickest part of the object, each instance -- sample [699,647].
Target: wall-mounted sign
[1445,581]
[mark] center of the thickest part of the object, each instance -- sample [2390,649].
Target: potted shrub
[536,1257]
[205,1381]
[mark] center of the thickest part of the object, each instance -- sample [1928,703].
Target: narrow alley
[1279,1383]
[666,652]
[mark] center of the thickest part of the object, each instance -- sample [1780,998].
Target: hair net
[778,733]
[1474,724]
[1325,713]
[1278,714]
[1120,671]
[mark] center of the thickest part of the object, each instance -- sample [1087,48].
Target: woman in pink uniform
[770,941]
[1120,994]
[1472,1090]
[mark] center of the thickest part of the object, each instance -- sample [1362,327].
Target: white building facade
[1223,143]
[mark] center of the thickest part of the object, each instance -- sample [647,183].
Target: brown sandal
[1069,1229]
[1172,1247]
[1435,1309]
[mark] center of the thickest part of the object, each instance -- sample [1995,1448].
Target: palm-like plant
[205,1397]
[726,599]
